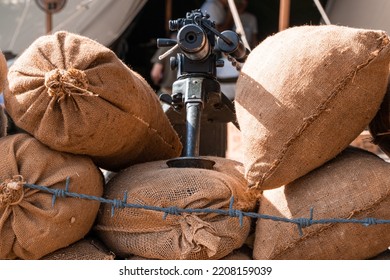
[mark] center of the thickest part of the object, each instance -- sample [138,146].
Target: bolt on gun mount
[196,88]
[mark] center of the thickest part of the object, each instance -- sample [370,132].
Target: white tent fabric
[22,21]
[370,14]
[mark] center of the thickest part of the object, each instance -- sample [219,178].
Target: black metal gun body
[197,88]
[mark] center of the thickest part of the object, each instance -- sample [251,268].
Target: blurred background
[129,27]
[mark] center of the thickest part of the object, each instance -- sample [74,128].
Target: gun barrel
[193,41]
[235,49]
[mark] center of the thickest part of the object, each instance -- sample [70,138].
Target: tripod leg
[193,120]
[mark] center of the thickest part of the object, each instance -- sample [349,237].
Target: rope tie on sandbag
[115,204]
[62,83]
[12,191]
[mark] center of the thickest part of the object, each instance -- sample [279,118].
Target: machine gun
[197,89]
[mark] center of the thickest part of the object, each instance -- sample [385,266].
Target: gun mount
[197,90]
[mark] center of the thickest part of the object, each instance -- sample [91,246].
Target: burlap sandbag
[304,94]
[354,185]
[75,95]
[186,236]
[85,249]
[30,226]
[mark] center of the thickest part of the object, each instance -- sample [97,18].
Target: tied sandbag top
[75,95]
[194,235]
[11,191]
[61,83]
[31,226]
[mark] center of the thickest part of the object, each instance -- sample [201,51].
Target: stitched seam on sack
[372,207]
[319,110]
[154,130]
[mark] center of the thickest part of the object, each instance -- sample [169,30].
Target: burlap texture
[354,185]
[3,71]
[243,253]
[380,125]
[75,95]
[304,94]
[30,226]
[85,249]
[186,236]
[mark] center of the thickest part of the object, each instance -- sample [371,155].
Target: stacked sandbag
[304,94]
[145,233]
[85,249]
[31,226]
[243,253]
[3,77]
[379,127]
[75,95]
[354,185]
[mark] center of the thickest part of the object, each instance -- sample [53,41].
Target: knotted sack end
[61,83]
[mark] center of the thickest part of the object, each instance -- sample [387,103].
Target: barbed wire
[172,210]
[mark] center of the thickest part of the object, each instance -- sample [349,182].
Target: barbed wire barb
[173,210]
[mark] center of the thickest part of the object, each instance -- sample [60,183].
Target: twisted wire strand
[172,210]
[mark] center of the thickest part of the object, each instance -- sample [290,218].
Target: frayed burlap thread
[304,94]
[62,84]
[30,225]
[11,191]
